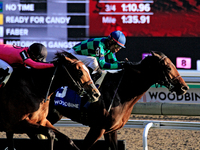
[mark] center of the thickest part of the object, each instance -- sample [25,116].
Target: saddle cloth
[67,98]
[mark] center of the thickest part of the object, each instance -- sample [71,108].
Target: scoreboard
[146,18]
[56,24]
[170,26]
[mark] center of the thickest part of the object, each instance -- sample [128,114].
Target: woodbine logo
[66,104]
[162,95]
[168,96]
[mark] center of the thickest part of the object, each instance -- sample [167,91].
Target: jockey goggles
[117,46]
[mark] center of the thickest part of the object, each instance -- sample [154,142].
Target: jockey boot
[100,80]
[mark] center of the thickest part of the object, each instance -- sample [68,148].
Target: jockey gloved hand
[125,63]
[56,63]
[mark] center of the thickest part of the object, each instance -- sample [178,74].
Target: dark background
[171,46]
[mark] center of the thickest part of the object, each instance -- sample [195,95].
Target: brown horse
[22,101]
[119,93]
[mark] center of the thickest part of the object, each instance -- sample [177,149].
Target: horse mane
[157,53]
[59,55]
[152,59]
[135,70]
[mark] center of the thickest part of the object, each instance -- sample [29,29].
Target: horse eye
[169,69]
[80,73]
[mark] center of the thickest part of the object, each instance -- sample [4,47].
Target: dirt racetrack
[158,139]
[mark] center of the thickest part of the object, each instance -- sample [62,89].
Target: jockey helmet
[37,52]
[118,37]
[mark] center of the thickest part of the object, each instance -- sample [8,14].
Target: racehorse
[119,93]
[24,101]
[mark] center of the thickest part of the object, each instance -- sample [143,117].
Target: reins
[167,79]
[81,90]
[116,92]
[50,83]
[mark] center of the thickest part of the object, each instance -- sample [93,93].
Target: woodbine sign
[162,95]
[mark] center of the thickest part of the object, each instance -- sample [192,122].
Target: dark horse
[119,93]
[22,101]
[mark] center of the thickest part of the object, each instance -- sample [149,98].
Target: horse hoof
[52,134]
[41,136]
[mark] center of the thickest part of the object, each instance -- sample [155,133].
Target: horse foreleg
[62,139]
[111,140]
[10,141]
[38,128]
[52,137]
[93,135]
[65,141]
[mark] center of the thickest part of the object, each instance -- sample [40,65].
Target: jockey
[33,56]
[92,53]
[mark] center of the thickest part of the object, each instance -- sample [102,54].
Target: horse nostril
[185,88]
[96,95]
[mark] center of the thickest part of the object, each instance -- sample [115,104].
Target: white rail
[146,124]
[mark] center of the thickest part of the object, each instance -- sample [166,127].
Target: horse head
[168,75]
[79,74]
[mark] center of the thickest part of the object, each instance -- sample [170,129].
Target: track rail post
[145,133]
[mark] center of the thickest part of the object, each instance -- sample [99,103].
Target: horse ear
[153,53]
[68,59]
[63,57]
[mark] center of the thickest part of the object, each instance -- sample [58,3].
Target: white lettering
[36,19]
[11,7]
[57,20]
[66,104]
[25,7]
[25,43]
[17,31]
[58,44]
[17,19]
[47,44]
[108,20]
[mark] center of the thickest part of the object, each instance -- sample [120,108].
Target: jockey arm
[37,65]
[112,64]
[16,55]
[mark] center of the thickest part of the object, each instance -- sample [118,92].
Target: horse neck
[150,70]
[135,82]
[41,79]
[139,82]
[62,78]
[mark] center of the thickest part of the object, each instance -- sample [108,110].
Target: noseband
[168,81]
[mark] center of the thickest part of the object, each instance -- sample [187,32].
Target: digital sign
[169,26]
[52,23]
[150,18]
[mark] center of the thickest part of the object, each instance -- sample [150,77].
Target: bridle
[80,86]
[81,90]
[168,82]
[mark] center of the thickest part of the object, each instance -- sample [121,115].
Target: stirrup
[100,80]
